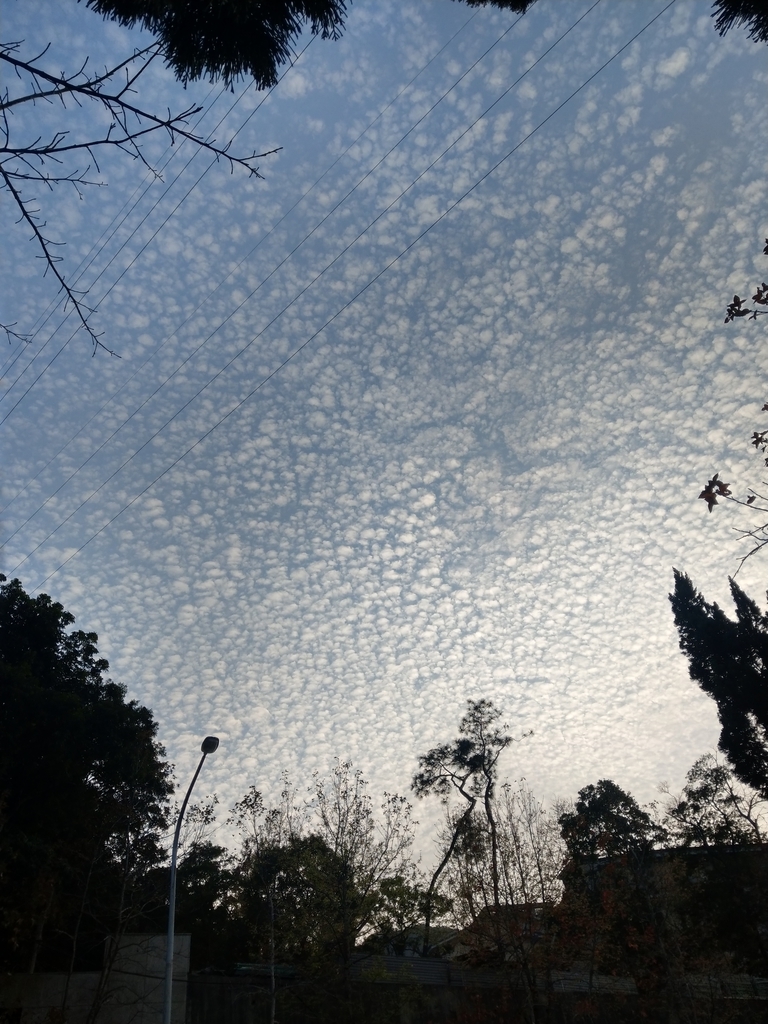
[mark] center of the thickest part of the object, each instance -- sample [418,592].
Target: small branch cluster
[760,438]
[736,309]
[71,157]
[715,487]
[758,535]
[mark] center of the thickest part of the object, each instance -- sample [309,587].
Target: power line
[296,297]
[133,233]
[452,206]
[211,293]
[300,293]
[234,270]
[280,264]
[250,253]
[114,284]
[98,246]
[150,180]
[113,227]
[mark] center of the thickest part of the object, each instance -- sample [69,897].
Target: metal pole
[210,743]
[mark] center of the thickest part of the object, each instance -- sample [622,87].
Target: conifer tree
[729,660]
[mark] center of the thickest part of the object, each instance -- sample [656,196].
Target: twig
[129,125]
[79,306]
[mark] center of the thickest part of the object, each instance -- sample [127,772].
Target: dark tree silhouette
[753,14]
[469,767]
[714,808]
[83,786]
[729,660]
[222,39]
[607,822]
[226,40]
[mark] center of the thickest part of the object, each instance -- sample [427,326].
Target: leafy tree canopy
[207,907]
[82,777]
[728,658]
[70,738]
[314,880]
[714,809]
[607,822]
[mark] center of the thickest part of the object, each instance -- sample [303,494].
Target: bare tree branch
[46,159]
[29,216]
[11,334]
[119,108]
[63,85]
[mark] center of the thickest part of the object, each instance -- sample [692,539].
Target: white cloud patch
[675,64]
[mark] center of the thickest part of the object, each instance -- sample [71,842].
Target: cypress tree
[729,660]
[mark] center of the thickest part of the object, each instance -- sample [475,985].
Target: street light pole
[209,744]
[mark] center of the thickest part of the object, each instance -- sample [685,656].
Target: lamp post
[209,744]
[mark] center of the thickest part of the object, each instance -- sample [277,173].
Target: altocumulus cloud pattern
[475,480]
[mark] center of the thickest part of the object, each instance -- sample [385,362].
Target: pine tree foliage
[226,39]
[229,38]
[728,658]
[753,14]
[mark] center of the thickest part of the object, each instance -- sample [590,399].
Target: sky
[418,417]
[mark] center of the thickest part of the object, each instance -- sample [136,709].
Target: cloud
[475,481]
[675,64]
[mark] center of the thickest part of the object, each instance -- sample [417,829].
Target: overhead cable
[452,206]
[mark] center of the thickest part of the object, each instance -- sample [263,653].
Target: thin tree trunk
[76,933]
[529,1010]
[438,871]
[39,928]
[498,924]
[272,989]
[109,960]
[494,844]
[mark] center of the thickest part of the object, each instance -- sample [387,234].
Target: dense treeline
[651,903]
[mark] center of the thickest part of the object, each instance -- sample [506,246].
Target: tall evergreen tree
[729,660]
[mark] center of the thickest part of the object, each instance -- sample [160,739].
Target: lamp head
[209,744]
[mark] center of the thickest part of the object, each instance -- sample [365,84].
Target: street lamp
[209,744]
